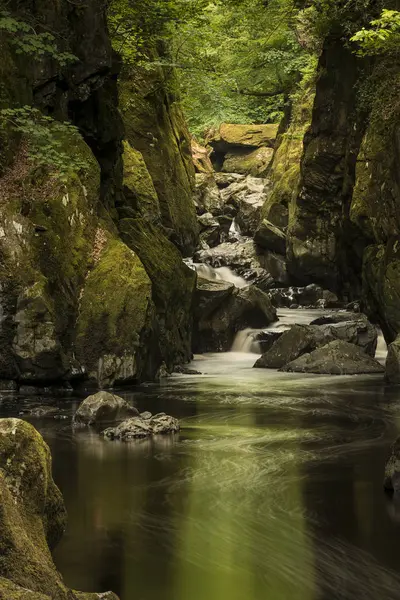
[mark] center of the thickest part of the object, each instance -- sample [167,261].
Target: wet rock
[391,480]
[186,370]
[270,237]
[301,296]
[49,412]
[32,518]
[290,345]
[210,230]
[103,408]
[336,358]
[221,310]
[266,339]
[137,428]
[393,362]
[350,327]
[146,415]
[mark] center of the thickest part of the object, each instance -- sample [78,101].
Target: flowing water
[272,490]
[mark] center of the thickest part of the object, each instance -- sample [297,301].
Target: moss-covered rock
[32,518]
[172,287]
[253,162]
[115,326]
[139,191]
[243,136]
[155,127]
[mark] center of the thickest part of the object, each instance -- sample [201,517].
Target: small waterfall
[381,348]
[219,274]
[244,342]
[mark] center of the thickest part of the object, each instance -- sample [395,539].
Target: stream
[273,489]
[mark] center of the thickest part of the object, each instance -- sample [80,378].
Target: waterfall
[381,348]
[219,274]
[244,342]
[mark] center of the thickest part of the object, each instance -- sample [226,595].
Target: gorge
[199,213]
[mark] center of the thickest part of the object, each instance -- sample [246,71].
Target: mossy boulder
[253,162]
[243,136]
[116,319]
[172,288]
[155,127]
[139,191]
[104,409]
[32,517]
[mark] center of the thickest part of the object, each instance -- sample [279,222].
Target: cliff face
[80,302]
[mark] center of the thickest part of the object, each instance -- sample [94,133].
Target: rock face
[32,518]
[391,480]
[336,358]
[393,362]
[139,427]
[253,162]
[270,237]
[80,304]
[221,310]
[103,408]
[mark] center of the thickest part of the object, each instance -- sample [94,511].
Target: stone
[391,481]
[336,358]
[300,296]
[222,310]
[146,415]
[103,408]
[138,428]
[266,339]
[201,157]
[244,136]
[224,180]
[182,370]
[290,345]
[207,197]
[248,162]
[393,362]
[278,215]
[270,237]
[40,412]
[351,327]
[32,518]
[210,231]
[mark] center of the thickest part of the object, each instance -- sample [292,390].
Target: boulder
[32,518]
[221,310]
[243,136]
[210,230]
[138,427]
[270,237]
[103,408]
[201,158]
[266,339]
[393,362]
[391,480]
[248,162]
[294,342]
[351,327]
[207,197]
[336,358]
[224,180]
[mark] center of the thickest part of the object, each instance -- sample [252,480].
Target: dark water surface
[273,490]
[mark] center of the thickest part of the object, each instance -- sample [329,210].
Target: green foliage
[50,142]
[26,41]
[382,37]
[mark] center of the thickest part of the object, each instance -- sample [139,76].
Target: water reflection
[273,489]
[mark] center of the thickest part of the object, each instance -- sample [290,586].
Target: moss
[248,135]
[172,286]
[115,310]
[255,162]
[138,185]
[155,127]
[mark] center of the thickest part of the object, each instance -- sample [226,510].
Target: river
[272,490]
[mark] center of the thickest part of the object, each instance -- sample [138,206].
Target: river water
[272,490]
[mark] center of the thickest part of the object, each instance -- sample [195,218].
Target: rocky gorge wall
[91,263]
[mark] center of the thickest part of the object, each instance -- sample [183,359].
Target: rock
[207,196]
[391,480]
[186,371]
[336,358]
[210,231]
[224,180]
[290,345]
[243,258]
[266,339]
[248,162]
[32,518]
[393,362]
[300,296]
[40,412]
[270,237]
[137,428]
[243,136]
[103,408]
[222,310]
[350,327]
[278,215]
[201,158]
[146,415]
